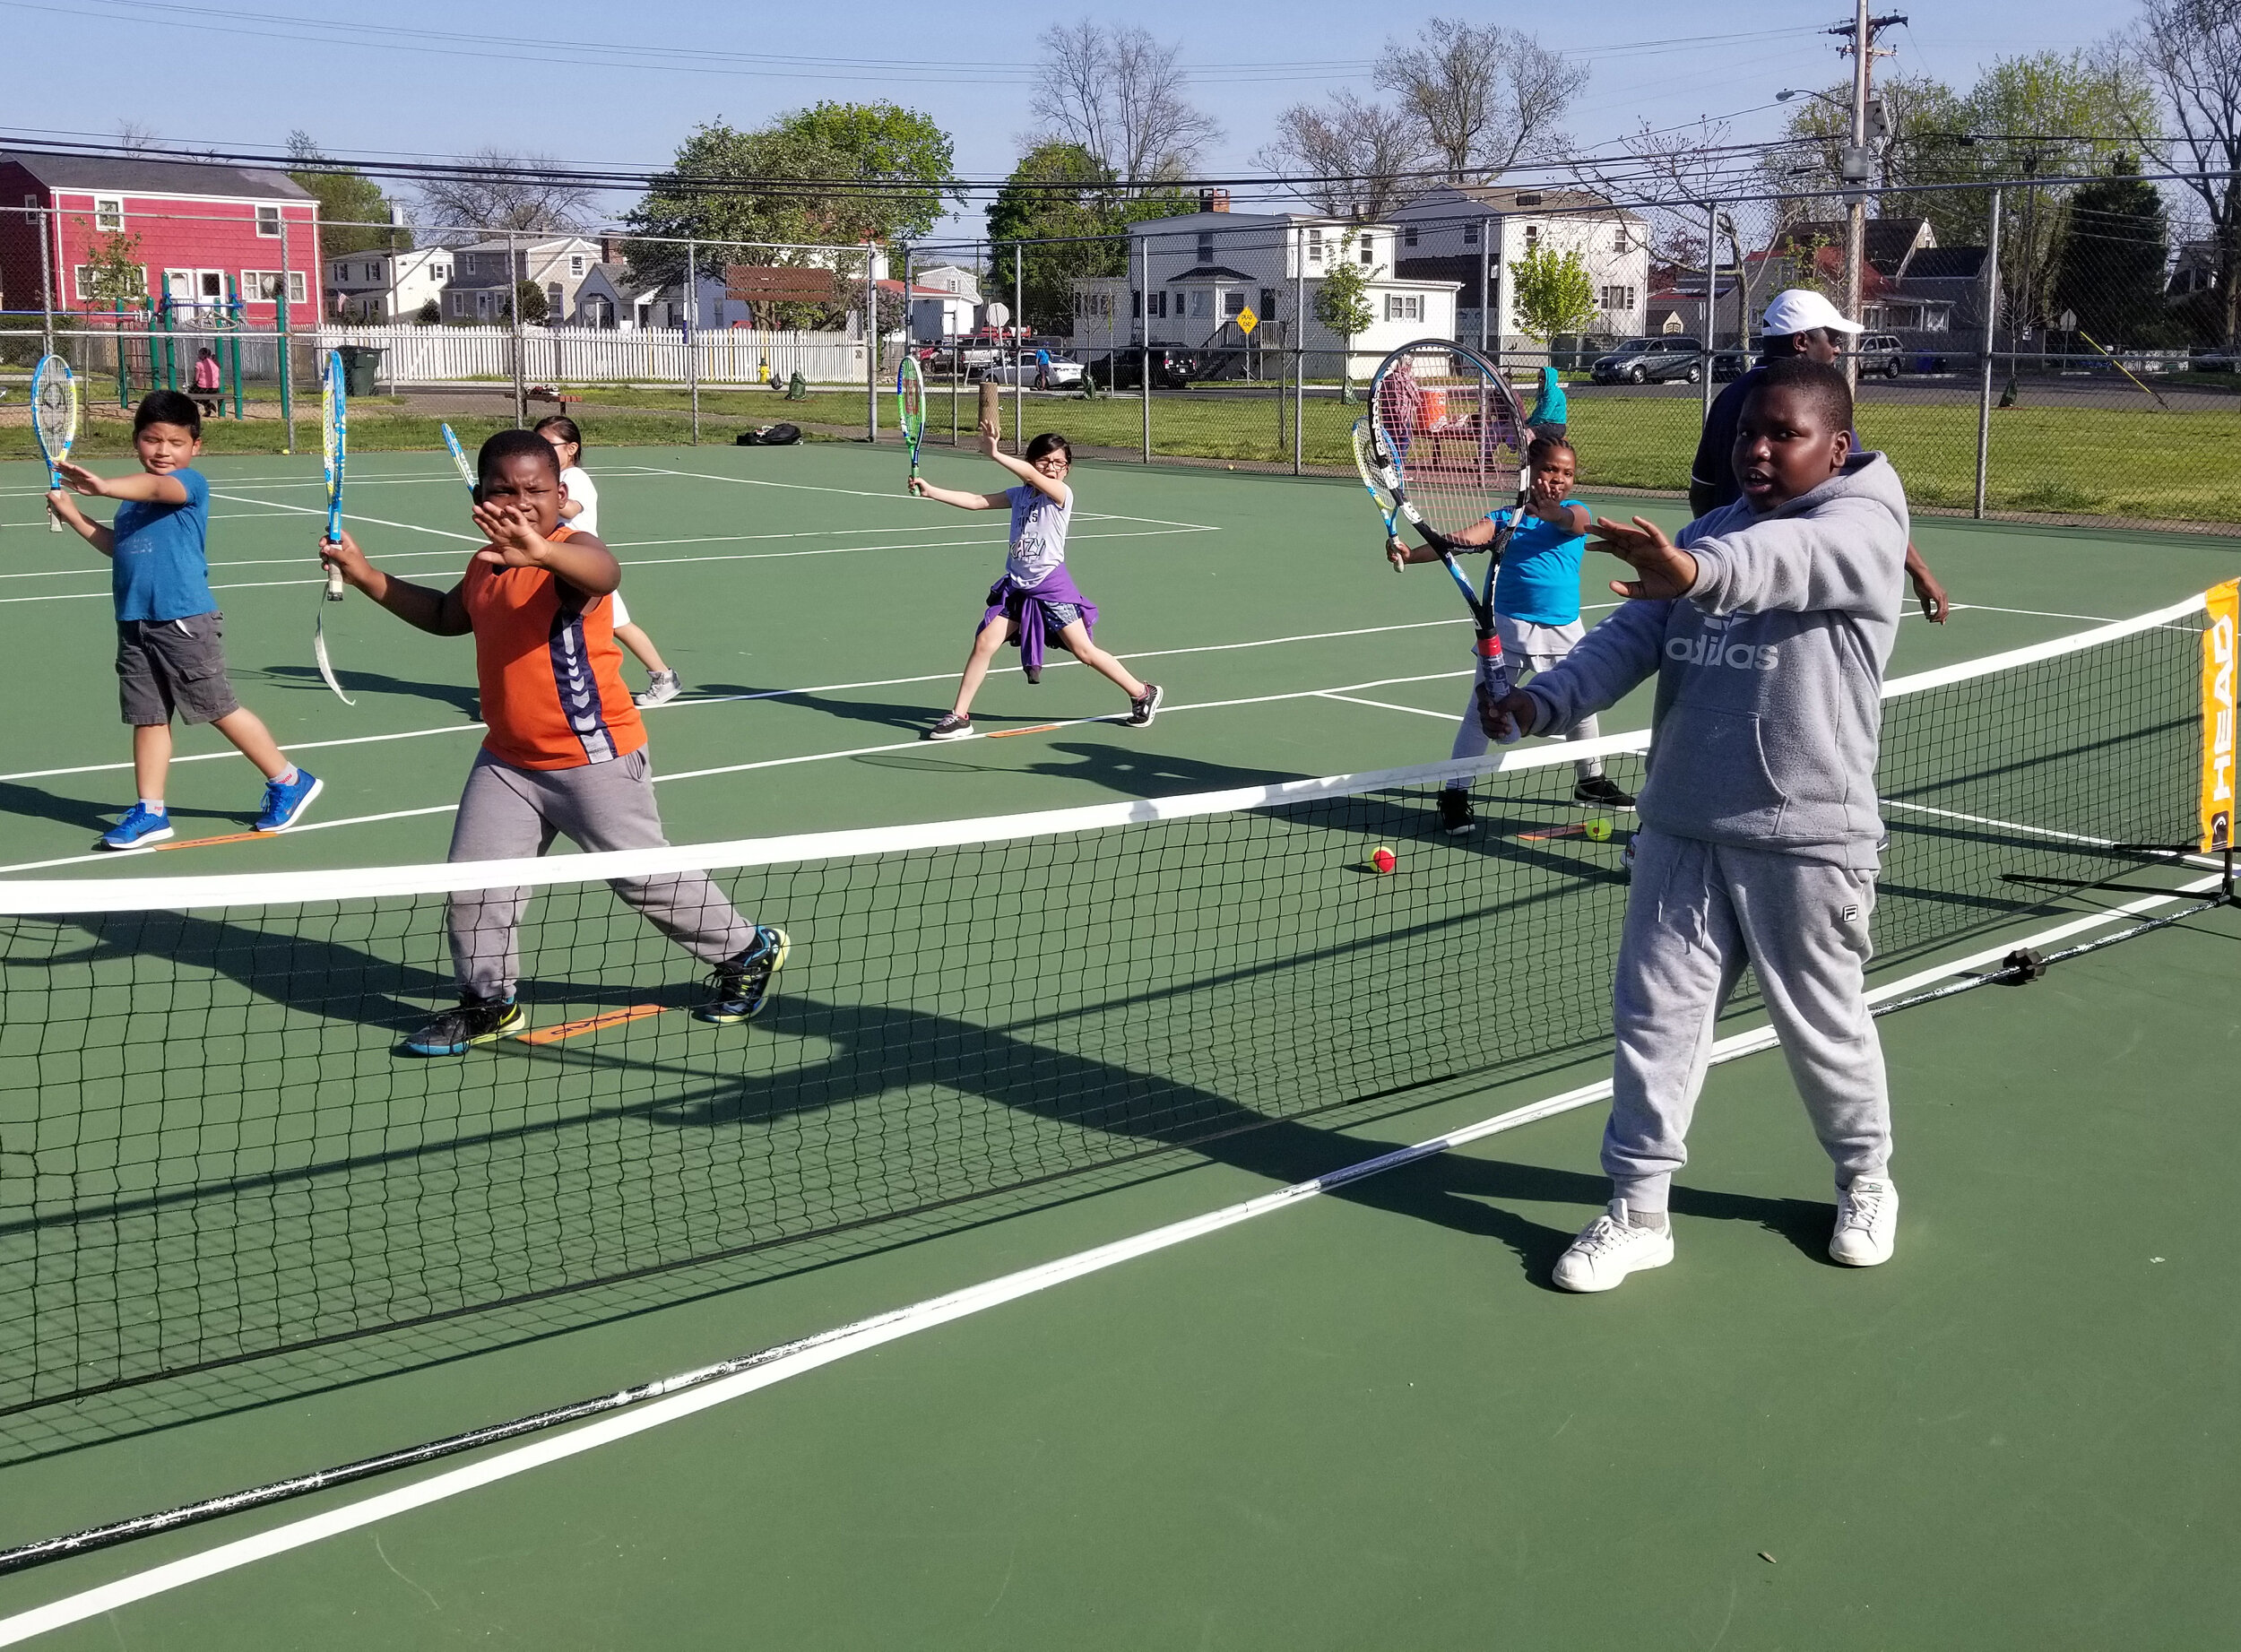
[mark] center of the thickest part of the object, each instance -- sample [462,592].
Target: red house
[201,235]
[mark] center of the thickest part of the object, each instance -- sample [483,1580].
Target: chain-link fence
[2034,349]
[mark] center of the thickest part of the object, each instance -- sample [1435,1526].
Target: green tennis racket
[910,401]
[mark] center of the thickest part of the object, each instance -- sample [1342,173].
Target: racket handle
[335,584]
[1493,678]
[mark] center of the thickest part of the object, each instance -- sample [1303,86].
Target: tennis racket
[1452,439]
[334,443]
[1377,476]
[459,457]
[54,421]
[910,402]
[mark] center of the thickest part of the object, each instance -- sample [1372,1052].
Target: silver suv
[1880,352]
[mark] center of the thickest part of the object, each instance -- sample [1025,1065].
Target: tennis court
[1354,1419]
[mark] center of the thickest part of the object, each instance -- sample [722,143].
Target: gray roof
[131,174]
[1212,273]
[1945,264]
[1525,198]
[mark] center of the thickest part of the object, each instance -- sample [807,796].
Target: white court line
[808,1354]
[1354,699]
[378,522]
[889,493]
[765,694]
[912,744]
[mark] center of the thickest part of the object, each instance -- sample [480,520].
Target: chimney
[609,249]
[1214,200]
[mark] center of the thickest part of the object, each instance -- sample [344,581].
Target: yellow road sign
[1246,321]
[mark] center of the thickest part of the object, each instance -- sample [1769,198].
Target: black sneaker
[476,1021]
[1456,818]
[740,985]
[1598,790]
[1146,706]
[951,727]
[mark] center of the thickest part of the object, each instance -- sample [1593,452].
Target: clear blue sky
[244,71]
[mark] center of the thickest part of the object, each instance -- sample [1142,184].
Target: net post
[280,310]
[1984,378]
[692,331]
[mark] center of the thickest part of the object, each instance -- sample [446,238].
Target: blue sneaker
[138,827]
[284,804]
[740,985]
[476,1021]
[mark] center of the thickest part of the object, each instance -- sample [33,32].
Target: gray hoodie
[1769,671]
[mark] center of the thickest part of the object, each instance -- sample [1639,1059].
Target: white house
[481,279]
[385,286]
[1191,279]
[945,301]
[1471,234]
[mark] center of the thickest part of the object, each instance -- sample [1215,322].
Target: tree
[776,188]
[493,190]
[428,315]
[349,200]
[2191,52]
[1931,142]
[114,272]
[1342,304]
[531,297]
[1484,97]
[2110,270]
[1363,153]
[1074,230]
[1118,93]
[1553,293]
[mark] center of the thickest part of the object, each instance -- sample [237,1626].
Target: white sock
[155,806]
[288,778]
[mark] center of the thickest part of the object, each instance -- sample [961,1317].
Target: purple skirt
[1029,608]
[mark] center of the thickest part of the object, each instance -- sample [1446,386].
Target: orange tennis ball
[1384,861]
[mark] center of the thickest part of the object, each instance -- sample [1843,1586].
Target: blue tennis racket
[54,419]
[459,457]
[334,443]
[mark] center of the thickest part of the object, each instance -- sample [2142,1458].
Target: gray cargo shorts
[166,666]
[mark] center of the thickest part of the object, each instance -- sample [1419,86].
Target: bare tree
[136,135]
[2192,51]
[1353,157]
[1119,93]
[1486,98]
[493,190]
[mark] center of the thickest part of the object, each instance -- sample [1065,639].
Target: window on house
[108,213]
[1470,235]
[1233,304]
[1314,246]
[1617,298]
[1159,305]
[268,221]
[88,280]
[467,262]
[295,287]
[1268,303]
[1620,242]
[1368,249]
[1533,238]
[1403,306]
[1205,247]
[576,264]
[1408,237]
[1202,305]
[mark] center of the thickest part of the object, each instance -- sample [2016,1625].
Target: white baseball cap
[1800,309]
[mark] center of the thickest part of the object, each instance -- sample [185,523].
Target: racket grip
[335,584]
[1493,680]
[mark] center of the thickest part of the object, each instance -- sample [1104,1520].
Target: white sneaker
[1610,1249]
[1868,1222]
[661,687]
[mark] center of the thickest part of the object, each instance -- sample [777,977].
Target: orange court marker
[569,1029]
[1004,734]
[1543,837]
[204,843]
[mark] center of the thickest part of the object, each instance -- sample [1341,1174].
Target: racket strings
[1454,429]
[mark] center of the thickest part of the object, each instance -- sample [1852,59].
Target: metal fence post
[279,311]
[1992,323]
[1712,296]
[1144,383]
[1299,352]
[1019,350]
[692,331]
[517,273]
[48,259]
[872,344]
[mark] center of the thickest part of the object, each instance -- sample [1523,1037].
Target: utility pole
[1859,164]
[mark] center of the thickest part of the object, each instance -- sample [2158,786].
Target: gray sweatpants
[1698,913]
[508,813]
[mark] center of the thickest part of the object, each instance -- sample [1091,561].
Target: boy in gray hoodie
[1767,626]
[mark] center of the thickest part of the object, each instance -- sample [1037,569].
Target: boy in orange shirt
[566,752]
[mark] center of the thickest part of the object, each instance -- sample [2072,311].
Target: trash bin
[360,363]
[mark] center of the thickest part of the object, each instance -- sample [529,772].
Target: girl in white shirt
[580,510]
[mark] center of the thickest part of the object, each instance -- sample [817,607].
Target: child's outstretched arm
[146,488]
[442,612]
[515,543]
[925,489]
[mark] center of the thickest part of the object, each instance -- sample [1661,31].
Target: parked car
[1880,352]
[1037,368]
[1731,364]
[1171,370]
[1640,362]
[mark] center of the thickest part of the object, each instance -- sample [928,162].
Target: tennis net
[212,1149]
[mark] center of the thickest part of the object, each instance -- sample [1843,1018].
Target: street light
[1800,92]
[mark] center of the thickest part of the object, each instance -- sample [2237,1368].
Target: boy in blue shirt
[169,658]
[1537,613]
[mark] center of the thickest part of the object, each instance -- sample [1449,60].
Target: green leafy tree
[1553,293]
[347,200]
[777,185]
[2110,270]
[1076,230]
[114,272]
[531,297]
[428,315]
[1342,304]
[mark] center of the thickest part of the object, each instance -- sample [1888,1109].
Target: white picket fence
[581,355]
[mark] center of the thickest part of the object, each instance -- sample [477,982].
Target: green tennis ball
[1599,831]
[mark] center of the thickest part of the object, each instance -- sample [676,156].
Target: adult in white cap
[1798,321]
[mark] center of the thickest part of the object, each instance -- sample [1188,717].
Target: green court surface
[1364,1419]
